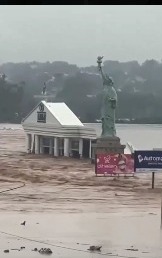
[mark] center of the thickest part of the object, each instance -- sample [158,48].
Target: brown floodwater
[67,208]
[70,235]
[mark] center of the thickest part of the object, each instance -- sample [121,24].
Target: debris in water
[45,251]
[6,251]
[35,249]
[23,223]
[132,249]
[95,248]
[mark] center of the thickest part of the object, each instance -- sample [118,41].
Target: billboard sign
[114,164]
[145,161]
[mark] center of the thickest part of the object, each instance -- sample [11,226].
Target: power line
[65,247]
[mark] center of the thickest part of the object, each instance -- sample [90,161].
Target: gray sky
[78,34]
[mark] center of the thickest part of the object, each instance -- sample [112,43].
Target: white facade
[52,128]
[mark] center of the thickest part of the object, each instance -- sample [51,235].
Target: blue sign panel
[145,161]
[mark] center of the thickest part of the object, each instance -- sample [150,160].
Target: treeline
[139,89]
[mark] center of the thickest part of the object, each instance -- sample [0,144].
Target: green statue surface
[109,103]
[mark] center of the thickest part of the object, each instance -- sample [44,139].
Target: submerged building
[52,128]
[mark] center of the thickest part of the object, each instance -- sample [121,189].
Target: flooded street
[67,208]
[70,235]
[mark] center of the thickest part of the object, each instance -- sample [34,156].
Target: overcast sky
[78,34]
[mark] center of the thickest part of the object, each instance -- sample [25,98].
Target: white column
[70,147]
[56,147]
[32,143]
[36,144]
[81,147]
[41,145]
[28,143]
[90,149]
[66,147]
[50,147]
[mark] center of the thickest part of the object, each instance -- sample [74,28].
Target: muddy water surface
[68,208]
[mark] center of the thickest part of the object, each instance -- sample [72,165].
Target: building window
[75,144]
[41,117]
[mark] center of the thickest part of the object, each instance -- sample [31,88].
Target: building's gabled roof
[60,112]
[63,114]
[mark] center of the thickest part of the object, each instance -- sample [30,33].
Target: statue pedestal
[108,145]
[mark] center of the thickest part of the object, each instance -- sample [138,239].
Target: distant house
[52,128]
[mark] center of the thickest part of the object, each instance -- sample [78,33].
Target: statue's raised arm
[99,62]
[105,78]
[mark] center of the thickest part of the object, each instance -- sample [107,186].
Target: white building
[52,128]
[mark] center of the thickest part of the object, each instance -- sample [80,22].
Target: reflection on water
[69,235]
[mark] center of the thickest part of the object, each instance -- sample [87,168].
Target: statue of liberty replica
[108,142]
[108,103]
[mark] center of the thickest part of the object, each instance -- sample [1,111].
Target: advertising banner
[114,164]
[148,161]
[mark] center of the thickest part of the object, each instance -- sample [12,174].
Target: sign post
[153,179]
[148,161]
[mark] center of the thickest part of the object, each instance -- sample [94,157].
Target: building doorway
[46,150]
[86,144]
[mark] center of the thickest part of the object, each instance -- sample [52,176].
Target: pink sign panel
[114,164]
